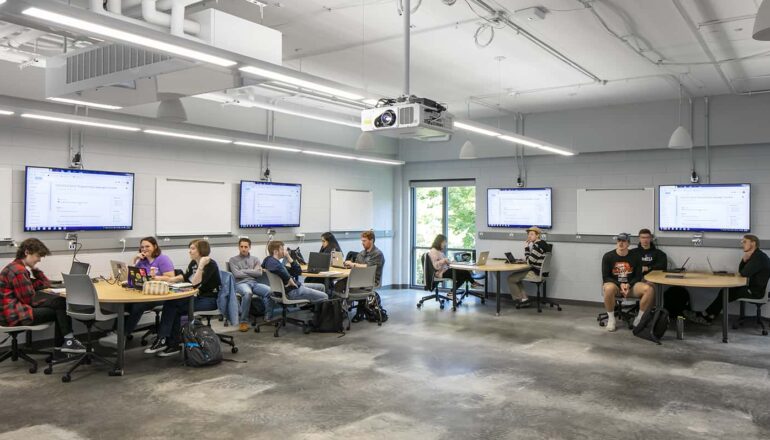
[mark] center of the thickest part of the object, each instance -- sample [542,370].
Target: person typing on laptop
[535,249]
[288,272]
[754,265]
[621,273]
[247,270]
[441,263]
[329,244]
[370,256]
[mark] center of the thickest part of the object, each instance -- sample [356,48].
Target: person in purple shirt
[156,265]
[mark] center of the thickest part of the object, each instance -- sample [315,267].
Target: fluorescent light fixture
[300,82]
[79,122]
[464,126]
[518,140]
[268,147]
[382,161]
[2,1]
[189,136]
[556,150]
[5,112]
[132,39]
[86,103]
[321,153]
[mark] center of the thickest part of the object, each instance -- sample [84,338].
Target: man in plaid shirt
[23,301]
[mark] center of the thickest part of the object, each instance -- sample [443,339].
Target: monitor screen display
[270,205]
[720,208]
[61,199]
[519,207]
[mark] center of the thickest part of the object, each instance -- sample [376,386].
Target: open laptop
[318,262]
[480,262]
[337,259]
[678,269]
[718,272]
[510,259]
[119,270]
[79,268]
[136,277]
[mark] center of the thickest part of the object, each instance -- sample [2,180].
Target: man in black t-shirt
[621,273]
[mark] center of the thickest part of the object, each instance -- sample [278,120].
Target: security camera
[519,183]
[694,177]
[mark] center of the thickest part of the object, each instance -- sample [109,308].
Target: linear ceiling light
[79,122]
[556,150]
[382,161]
[86,103]
[268,147]
[189,136]
[6,113]
[133,39]
[518,140]
[464,126]
[300,82]
[321,153]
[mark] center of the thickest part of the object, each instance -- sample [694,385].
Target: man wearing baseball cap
[621,273]
[535,249]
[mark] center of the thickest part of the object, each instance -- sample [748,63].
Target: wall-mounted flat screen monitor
[270,205]
[62,199]
[720,208]
[519,207]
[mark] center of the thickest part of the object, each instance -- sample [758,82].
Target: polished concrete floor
[425,374]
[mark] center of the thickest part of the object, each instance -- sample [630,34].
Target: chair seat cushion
[24,328]
[214,312]
[753,300]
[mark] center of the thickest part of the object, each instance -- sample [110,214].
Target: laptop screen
[319,261]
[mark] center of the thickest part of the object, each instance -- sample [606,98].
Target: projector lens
[387,119]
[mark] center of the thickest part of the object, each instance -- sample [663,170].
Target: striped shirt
[534,254]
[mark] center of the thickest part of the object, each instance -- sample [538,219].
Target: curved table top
[492,267]
[114,293]
[334,272]
[696,279]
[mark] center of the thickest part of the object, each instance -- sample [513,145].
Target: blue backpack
[200,345]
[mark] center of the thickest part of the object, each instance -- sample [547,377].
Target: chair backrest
[82,299]
[429,273]
[276,284]
[79,268]
[362,278]
[227,266]
[545,268]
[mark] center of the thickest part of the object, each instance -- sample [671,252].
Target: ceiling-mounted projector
[409,118]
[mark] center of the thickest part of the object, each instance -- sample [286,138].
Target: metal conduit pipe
[115,6]
[96,6]
[407,43]
[708,139]
[151,14]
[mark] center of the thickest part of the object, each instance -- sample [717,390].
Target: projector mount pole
[407,11]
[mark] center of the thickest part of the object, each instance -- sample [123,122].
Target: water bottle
[680,327]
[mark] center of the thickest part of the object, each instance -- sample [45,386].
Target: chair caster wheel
[558,308]
[454,309]
[143,342]
[129,337]
[540,311]
[483,301]
[256,329]
[115,373]
[602,324]
[306,330]
[275,335]
[419,305]
[48,371]
[66,378]
[234,350]
[458,305]
[33,370]
[764,332]
[441,306]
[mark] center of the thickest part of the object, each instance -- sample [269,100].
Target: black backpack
[373,310]
[676,300]
[653,325]
[200,345]
[296,255]
[329,317]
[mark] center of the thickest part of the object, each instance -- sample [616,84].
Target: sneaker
[72,345]
[171,350]
[611,326]
[159,344]
[525,304]
[696,317]
[243,327]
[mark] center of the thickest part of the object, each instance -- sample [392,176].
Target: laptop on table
[510,259]
[718,272]
[136,277]
[318,263]
[337,259]
[119,270]
[480,262]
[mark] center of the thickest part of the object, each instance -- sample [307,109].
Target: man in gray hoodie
[250,281]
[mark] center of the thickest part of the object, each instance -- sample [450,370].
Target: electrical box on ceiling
[415,118]
[228,32]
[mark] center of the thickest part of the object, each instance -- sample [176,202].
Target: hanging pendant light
[762,23]
[680,138]
[468,151]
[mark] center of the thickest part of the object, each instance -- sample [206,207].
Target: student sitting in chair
[621,273]
[652,258]
[441,263]
[370,256]
[22,301]
[535,249]
[288,271]
[754,265]
[329,244]
[247,269]
[203,273]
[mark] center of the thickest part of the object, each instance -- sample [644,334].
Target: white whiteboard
[6,193]
[193,207]
[611,211]
[351,210]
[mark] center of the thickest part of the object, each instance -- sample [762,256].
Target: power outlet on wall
[72,245]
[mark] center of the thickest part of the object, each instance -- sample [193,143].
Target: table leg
[486,285]
[120,361]
[454,290]
[191,310]
[497,293]
[725,320]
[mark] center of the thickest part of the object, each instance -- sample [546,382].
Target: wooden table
[489,267]
[120,296]
[334,273]
[700,280]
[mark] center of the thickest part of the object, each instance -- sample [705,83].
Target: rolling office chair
[15,353]
[359,287]
[153,329]
[542,280]
[83,305]
[226,279]
[431,283]
[625,310]
[278,294]
[759,303]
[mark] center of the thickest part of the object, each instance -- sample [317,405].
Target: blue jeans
[311,291]
[170,326]
[249,288]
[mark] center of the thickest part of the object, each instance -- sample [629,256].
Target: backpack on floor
[676,300]
[329,316]
[373,310]
[653,325]
[200,345]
